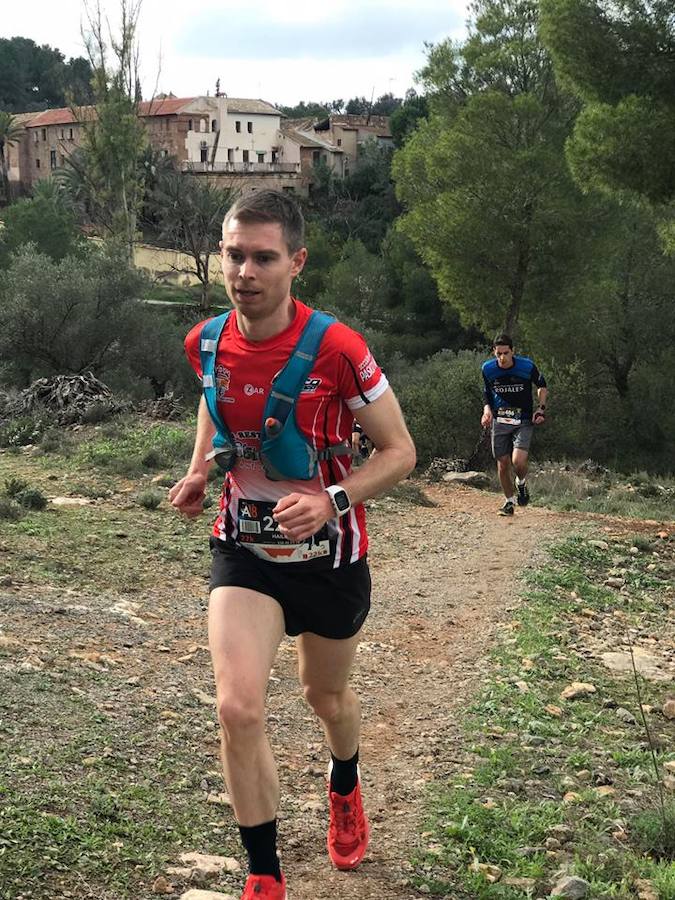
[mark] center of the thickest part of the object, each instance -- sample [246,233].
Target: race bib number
[259,532]
[506,415]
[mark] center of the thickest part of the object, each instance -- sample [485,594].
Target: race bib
[259,532]
[506,415]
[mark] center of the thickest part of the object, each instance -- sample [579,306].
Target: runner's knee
[240,714]
[328,705]
[503,463]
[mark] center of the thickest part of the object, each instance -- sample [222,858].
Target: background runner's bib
[508,416]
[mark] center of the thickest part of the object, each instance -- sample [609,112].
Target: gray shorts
[506,438]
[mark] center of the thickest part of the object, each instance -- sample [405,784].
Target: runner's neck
[263,329]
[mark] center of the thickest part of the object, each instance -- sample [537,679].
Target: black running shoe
[523,495]
[507,509]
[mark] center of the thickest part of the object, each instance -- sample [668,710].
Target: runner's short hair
[271,206]
[503,338]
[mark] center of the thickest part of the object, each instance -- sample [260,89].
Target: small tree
[10,132]
[189,213]
[44,220]
[114,135]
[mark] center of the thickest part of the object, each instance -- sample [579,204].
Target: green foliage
[47,222]
[14,486]
[67,316]
[132,450]
[654,832]
[32,498]
[22,430]
[357,285]
[36,77]
[150,499]
[618,58]
[491,208]
[404,120]
[10,510]
[441,401]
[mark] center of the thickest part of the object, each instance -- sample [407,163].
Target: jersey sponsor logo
[223,384]
[367,368]
[311,385]
[243,435]
[508,388]
[251,389]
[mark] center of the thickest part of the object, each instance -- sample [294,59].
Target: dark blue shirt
[511,388]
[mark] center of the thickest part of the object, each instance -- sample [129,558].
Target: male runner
[288,556]
[507,391]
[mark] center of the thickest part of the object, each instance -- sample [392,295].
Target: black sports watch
[339,499]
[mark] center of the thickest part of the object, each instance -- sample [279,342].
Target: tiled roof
[54,117]
[261,107]
[309,140]
[167,106]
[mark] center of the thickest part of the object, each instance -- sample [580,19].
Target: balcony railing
[240,168]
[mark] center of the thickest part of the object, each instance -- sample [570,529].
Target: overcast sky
[281,52]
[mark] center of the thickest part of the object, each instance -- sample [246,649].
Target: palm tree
[10,132]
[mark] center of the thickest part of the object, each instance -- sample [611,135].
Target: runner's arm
[187,495]
[486,418]
[301,515]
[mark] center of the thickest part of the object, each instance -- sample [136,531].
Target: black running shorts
[332,603]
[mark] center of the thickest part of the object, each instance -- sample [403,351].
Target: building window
[244,155]
[204,152]
[37,163]
[44,134]
[63,133]
[36,136]
[316,157]
[288,190]
[261,157]
[275,156]
[249,127]
[237,126]
[70,134]
[339,142]
[165,153]
[189,124]
[230,154]
[214,125]
[202,124]
[52,159]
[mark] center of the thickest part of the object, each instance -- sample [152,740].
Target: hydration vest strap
[291,380]
[208,346]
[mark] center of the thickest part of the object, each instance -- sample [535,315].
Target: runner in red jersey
[345,378]
[288,556]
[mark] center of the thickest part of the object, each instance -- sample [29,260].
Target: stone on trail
[668,708]
[577,689]
[472,479]
[571,887]
[647,664]
[599,545]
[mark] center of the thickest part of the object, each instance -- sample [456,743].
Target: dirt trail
[443,582]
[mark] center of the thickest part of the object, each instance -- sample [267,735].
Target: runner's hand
[539,416]
[301,515]
[188,494]
[486,418]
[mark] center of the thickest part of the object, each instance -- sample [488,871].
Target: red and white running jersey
[345,377]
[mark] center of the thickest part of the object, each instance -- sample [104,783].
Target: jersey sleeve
[538,379]
[191,344]
[360,379]
[487,389]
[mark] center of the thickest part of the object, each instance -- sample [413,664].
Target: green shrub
[654,832]
[14,486]
[442,403]
[150,499]
[10,510]
[151,460]
[22,431]
[32,498]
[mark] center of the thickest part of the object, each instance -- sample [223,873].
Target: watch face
[341,500]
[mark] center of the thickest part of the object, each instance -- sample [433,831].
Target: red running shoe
[264,887]
[348,830]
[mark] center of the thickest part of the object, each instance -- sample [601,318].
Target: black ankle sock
[344,775]
[260,842]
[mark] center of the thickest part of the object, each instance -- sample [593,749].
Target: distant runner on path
[507,390]
[282,386]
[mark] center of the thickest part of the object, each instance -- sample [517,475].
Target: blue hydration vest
[284,451]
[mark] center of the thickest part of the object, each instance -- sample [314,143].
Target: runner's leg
[505,472]
[324,667]
[245,629]
[520,462]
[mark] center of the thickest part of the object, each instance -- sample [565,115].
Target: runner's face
[504,356]
[257,267]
